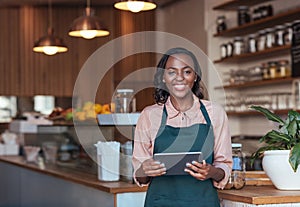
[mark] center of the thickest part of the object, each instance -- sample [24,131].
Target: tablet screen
[176,162]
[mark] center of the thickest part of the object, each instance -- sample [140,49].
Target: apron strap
[204,112]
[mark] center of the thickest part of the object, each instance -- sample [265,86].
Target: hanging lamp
[50,44]
[135,5]
[88,26]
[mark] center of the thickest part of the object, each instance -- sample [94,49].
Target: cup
[31,153]
[50,151]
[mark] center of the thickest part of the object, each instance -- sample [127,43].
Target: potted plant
[281,150]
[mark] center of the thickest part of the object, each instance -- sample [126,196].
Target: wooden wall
[26,73]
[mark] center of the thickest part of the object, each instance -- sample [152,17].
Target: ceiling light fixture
[88,26]
[50,44]
[135,6]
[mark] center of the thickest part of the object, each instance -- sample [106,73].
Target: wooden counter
[252,195]
[260,195]
[80,177]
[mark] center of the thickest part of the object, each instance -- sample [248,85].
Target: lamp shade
[135,5]
[88,27]
[50,44]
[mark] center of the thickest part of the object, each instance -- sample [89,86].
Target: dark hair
[161,94]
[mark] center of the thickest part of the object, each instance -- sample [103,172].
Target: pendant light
[135,5]
[88,26]
[50,44]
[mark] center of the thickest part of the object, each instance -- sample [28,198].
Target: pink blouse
[150,120]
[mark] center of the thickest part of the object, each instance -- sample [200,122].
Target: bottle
[238,166]
[279,38]
[288,33]
[252,43]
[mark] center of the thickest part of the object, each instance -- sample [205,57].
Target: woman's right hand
[153,168]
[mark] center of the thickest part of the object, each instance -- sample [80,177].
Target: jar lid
[124,90]
[235,145]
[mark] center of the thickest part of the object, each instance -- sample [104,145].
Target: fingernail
[162,165]
[188,164]
[157,162]
[185,170]
[194,162]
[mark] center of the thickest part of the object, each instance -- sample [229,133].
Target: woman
[181,121]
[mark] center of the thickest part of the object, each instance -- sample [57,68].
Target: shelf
[260,54]
[234,4]
[258,83]
[254,26]
[248,113]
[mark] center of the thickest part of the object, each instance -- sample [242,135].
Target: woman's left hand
[200,171]
[203,171]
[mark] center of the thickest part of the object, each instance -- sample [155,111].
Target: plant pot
[276,165]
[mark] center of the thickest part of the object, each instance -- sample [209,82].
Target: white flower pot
[276,165]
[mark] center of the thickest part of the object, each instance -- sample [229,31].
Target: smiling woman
[181,121]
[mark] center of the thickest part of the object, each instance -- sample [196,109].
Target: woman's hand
[153,168]
[203,171]
[150,168]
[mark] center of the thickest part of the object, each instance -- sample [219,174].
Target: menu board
[295,50]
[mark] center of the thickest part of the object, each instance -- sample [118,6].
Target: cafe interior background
[35,82]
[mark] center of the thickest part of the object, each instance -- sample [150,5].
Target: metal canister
[279,35]
[252,43]
[261,42]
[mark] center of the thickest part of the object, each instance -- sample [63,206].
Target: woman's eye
[171,72]
[187,72]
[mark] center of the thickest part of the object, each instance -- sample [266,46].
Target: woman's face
[179,75]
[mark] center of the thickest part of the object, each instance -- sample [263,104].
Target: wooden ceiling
[9,3]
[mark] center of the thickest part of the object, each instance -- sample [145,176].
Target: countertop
[258,193]
[77,176]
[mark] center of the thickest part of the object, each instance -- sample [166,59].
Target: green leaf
[270,115]
[292,128]
[275,137]
[295,157]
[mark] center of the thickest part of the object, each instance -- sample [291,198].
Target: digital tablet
[176,162]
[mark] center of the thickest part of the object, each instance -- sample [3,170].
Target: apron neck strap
[202,108]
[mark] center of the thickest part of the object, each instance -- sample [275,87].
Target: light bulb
[88,34]
[50,50]
[135,6]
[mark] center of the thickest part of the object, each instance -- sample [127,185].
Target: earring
[195,80]
[163,81]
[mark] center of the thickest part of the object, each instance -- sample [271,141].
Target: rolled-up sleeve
[142,143]
[222,149]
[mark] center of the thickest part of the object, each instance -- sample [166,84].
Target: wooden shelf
[254,26]
[234,4]
[247,113]
[260,54]
[258,83]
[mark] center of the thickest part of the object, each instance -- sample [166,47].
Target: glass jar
[243,15]
[270,38]
[238,46]
[284,68]
[252,43]
[237,177]
[124,102]
[265,70]
[229,47]
[223,51]
[261,43]
[273,69]
[279,38]
[221,24]
[288,33]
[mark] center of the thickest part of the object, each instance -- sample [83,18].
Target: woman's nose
[179,76]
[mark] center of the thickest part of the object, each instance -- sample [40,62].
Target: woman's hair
[161,94]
